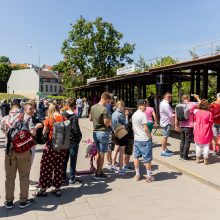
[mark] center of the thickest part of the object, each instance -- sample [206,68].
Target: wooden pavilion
[134,86]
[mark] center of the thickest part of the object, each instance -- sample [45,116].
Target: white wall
[24,82]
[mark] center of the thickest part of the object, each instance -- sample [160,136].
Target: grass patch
[10,96]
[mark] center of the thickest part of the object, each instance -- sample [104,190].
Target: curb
[189,174]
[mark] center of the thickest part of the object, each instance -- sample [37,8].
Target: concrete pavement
[172,196]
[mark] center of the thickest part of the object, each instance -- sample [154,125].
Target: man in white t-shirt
[142,141]
[166,120]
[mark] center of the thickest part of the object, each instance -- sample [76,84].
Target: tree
[141,63]
[93,48]
[5,72]
[4,59]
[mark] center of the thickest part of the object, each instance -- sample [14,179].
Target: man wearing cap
[142,141]
[166,120]
[215,110]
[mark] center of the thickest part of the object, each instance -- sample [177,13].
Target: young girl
[203,131]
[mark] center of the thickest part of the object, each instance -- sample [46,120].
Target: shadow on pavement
[167,176]
[69,195]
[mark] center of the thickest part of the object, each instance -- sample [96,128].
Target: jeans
[186,138]
[72,154]
[79,111]
[101,139]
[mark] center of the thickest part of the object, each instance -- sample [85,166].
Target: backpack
[61,135]
[182,112]
[91,149]
[20,138]
[215,109]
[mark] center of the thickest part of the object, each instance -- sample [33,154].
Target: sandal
[40,193]
[56,192]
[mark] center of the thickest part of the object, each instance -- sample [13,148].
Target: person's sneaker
[169,151]
[101,176]
[128,168]
[75,182]
[150,179]
[121,172]
[166,154]
[214,153]
[108,166]
[32,188]
[26,204]
[137,177]
[113,168]
[9,205]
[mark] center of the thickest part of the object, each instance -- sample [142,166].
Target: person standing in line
[142,141]
[75,139]
[79,104]
[14,161]
[186,127]
[150,113]
[51,166]
[5,108]
[215,110]
[110,108]
[101,123]
[85,112]
[166,120]
[119,118]
[151,100]
[203,133]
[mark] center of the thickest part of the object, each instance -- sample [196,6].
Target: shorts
[150,126]
[143,149]
[121,142]
[216,129]
[129,147]
[101,139]
[166,131]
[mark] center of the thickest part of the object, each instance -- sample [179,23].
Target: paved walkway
[171,196]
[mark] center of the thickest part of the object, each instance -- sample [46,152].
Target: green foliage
[93,48]
[4,59]
[5,72]
[141,63]
[56,97]
[164,61]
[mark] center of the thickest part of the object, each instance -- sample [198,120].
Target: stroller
[91,152]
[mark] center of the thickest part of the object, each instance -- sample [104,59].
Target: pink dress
[203,127]
[149,113]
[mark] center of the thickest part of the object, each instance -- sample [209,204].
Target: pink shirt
[203,127]
[149,113]
[189,123]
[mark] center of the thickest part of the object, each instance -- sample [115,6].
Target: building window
[46,88]
[55,88]
[41,88]
[60,89]
[51,88]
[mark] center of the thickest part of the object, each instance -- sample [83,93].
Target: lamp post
[29,45]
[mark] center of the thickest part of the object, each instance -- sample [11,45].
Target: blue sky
[157,27]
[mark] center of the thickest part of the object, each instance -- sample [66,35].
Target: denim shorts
[143,149]
[166,131]
[101,139]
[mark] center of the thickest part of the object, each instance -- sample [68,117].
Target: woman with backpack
[203,131]
[51,168]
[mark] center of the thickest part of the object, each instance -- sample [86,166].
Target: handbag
[120,131]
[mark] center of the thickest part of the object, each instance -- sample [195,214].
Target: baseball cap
[141,102]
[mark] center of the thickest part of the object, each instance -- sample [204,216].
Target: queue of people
[116,132]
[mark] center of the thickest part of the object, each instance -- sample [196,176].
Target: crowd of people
[117,133]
